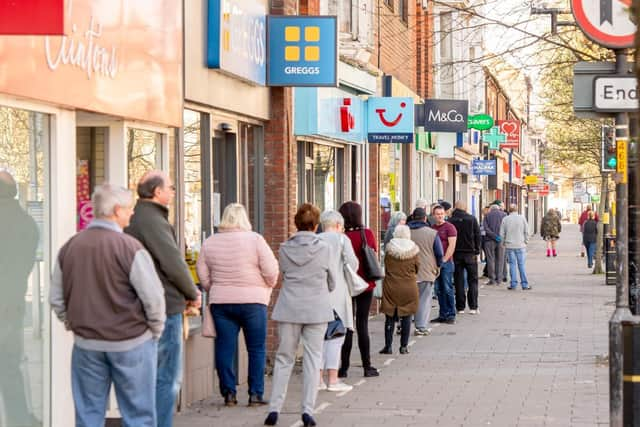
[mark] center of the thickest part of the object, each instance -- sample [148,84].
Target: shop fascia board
[356,79]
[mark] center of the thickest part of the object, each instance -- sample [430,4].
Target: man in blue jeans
[105,289]
[150,225]
[447,234]
[514,233]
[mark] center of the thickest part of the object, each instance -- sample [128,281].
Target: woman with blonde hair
[238,270]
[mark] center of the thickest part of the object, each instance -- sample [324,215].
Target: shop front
[426,151]
[74,112]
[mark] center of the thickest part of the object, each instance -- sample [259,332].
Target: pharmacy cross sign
[606,22]
[494,138]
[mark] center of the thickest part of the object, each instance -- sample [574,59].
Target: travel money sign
[606,22]
[390,119]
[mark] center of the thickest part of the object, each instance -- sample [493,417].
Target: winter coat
[469,240]
[431,253]
[341,253]
[400,289]
[237,267]
[491,224]
[590,232]
[356,242]
[150,225]
[307,279]
[551,226]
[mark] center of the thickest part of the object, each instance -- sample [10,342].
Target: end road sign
[615,94]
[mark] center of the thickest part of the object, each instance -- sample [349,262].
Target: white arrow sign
[615,94]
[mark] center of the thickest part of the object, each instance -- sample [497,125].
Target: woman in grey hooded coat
[302,311]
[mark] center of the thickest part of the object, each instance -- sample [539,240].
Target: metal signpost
[608,23]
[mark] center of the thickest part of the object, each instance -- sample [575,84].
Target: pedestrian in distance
[150,225]
[447,234]
[430,260]
[494,250]
[303,310]
[355,230]
[514,233]
[238,270]
[465,257]
[341,253]
[550,231]
[399,291]
[590,237]
[584,216]
[19,237]
[397,218]
[105,290]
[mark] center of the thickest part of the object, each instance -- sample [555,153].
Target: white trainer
[476,311]
[322,386]
[460,311]
[339,386]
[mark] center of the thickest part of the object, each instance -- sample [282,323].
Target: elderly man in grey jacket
[514,233]
[105,289]
[302,311]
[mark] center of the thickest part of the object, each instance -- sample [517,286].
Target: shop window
[24,262]
[193,212]
[144,153]
[390,159]
[252,176]
[321,171]
[90,169]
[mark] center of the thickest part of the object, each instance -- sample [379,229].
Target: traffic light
[609,159]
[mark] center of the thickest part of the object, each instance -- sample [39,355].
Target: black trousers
[405,329]
[468,263]
[362,304]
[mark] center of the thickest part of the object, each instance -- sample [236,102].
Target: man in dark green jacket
[150,225]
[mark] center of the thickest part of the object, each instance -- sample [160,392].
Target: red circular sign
[606,22]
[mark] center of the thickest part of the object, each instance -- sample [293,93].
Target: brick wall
[424,50]
[398,40]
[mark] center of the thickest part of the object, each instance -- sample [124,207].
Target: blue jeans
[169,369]
[228,319]
[517,257]
[133,374]
[445,292]
[591,251]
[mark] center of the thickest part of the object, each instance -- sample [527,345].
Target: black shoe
[451,321]
[504,280]
[272,419]
[230,399]
[307,420]
[528,288]
[257,400]
[511,288]
[342,373]
[404,350]
[386,350]
[437,320]
[370,371]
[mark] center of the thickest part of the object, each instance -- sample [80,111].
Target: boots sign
[445,115]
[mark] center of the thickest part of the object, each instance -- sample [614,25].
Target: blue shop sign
[484,167]
[302,51]
[236,38]
[390,120]
[329,112]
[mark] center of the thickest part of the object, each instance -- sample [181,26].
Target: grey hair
[396,217]
[331,218]
[106,197]
[421,203]
[494,207]
[402,232]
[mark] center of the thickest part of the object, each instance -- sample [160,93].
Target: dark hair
[147,188]
[433,209]
[352,214]
[8,187]
[419,213]
[307,217]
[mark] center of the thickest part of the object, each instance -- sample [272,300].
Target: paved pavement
[530,358]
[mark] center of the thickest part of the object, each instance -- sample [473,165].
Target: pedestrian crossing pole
[619,414]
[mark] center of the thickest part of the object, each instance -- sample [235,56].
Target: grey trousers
[312,340]
[495,260]
[423,314]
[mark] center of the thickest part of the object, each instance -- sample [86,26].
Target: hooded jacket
[399,289]
[469,239]
[307,279]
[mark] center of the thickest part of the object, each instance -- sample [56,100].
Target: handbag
[355,283]
[370,265]
[335,328]
[208,328]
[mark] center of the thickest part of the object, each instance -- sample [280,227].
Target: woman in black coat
[590,237]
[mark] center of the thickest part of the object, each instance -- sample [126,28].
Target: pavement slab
[530,358]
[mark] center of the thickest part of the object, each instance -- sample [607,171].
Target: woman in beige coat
[399,289]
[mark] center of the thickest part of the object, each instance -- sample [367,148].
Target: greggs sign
[31,17]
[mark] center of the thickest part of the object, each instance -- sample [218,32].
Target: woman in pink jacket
[238,270]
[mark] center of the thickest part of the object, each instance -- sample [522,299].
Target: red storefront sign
[511,128]
[31,17]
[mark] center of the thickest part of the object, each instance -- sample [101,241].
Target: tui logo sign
[390,120]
